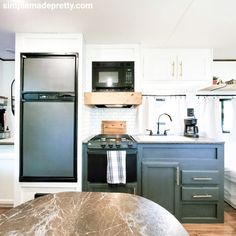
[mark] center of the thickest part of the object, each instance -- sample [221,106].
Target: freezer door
[49,73]
[48,141]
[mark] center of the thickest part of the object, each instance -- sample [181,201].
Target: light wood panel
[112,98]
[226,229]
[113,127]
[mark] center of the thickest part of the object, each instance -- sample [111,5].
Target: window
[226,115]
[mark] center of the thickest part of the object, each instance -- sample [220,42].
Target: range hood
[113,99]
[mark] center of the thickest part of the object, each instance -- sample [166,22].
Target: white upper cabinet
[194,65]
[179,67]
[158,65]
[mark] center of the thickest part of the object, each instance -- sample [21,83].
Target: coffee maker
[190,125]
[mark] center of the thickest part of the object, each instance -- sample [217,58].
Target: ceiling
[159,23]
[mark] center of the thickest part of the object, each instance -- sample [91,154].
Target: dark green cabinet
[160,183]
[185,178]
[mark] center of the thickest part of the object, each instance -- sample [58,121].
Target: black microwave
[113,76]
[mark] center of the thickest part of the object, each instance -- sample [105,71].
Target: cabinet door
[159,65]
[6,177]
[194,65]
[168,65]
[160,183]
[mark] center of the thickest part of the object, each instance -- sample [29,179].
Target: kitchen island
[86,213]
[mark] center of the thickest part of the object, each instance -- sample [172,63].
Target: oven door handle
[98,151]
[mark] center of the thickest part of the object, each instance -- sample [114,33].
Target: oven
[97,164]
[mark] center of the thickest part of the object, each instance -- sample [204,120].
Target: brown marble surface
[93,214]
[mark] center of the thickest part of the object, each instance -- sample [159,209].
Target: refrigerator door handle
[66,96]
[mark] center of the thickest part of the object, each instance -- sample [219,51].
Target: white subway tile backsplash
[100,114]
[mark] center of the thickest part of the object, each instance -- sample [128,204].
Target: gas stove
[112,141]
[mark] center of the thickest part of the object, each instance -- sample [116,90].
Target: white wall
[8,74]
[224,53]
[1,75]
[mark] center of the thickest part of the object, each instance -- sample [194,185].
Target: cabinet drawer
[203,212]
[200,194]
[183,151]
[200,177]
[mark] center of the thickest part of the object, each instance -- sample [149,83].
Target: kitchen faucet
[162,123]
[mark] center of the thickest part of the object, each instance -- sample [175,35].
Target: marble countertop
[7,141]
[174,139]
[90,213]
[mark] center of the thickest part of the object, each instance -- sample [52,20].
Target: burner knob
[103,145]
[130,144]
[110,145]
[118,145]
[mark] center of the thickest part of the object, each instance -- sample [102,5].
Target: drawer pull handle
[173,69]
[181,69]
[203,196]
[177,175]
[202,178]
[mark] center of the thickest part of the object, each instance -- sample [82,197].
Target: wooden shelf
[112,98]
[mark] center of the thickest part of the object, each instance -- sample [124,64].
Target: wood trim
[112,98]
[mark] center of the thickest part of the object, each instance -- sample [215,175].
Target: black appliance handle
[47,96]
[102,151]
[12,98]
[66,96]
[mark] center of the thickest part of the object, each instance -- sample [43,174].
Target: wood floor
[226,229]
[4,209]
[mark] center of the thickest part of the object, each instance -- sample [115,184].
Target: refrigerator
[48,117]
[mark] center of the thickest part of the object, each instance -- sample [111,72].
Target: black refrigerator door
[48,72]
[48,142]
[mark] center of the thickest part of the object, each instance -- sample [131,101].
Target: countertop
[169,139]
[174,139]
[90,213]
[7,141]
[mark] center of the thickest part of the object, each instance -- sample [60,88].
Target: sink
[164,139]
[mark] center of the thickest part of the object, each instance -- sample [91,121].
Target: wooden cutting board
[113,127]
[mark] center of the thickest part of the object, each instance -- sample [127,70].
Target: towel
[116,167]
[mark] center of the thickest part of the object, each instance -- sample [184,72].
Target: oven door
[97,166]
